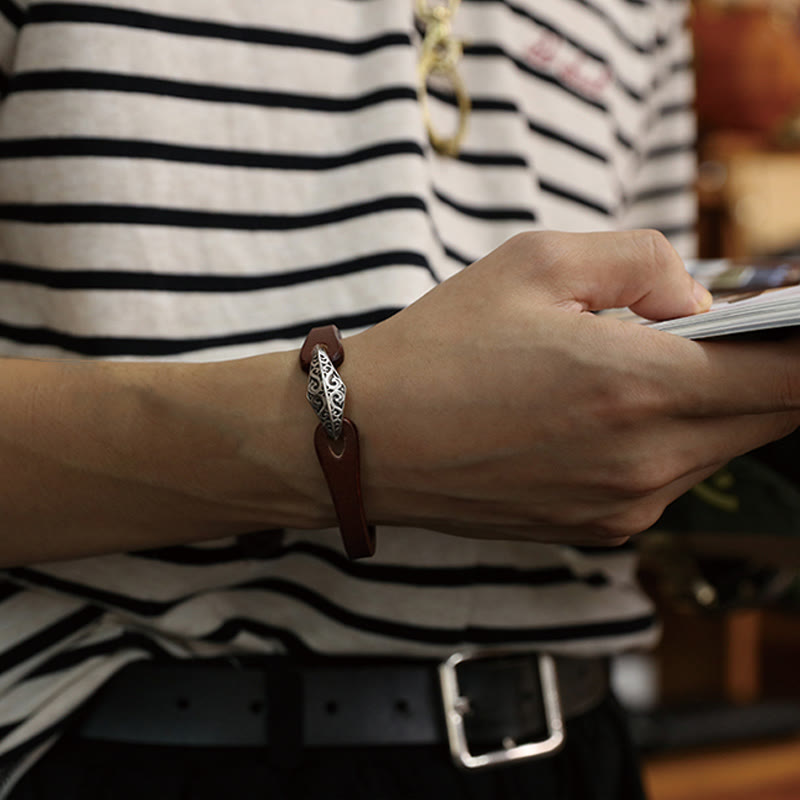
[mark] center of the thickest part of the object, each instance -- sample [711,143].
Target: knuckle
[608,406]
[633,520]
[525,244]
[601,538]
[641,478]
[624,399]
[545,249]
[651,477]
[657,246]
[787,390]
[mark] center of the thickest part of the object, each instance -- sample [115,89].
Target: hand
[499,406]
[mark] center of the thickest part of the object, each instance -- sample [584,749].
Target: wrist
[372,399]
[273,478]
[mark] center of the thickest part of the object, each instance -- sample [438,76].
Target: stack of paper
[740,313]
[754,295]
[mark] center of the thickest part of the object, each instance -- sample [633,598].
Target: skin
[496,406]
[550,422]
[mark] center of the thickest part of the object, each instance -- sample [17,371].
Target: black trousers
[598,762]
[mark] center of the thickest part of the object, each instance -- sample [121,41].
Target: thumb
[636,269]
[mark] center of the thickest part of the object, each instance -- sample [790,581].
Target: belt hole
[331,707]
[401,706]
[256,706]
[183,703]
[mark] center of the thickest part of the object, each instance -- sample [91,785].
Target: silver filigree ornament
[326,392]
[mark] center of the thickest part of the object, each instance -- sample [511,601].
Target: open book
[756,295]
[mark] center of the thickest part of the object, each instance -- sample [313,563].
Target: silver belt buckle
[456,706]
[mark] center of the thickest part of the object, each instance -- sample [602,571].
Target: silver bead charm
[326,392]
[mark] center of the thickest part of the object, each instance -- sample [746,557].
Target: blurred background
[716,709]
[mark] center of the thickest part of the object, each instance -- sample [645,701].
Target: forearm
[494,406]
[100,457]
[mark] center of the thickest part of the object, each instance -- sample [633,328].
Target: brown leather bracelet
[340,457]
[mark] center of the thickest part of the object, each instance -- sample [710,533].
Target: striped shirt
[204,180]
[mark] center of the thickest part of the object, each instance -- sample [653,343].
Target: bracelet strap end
[340,461]
[327,336]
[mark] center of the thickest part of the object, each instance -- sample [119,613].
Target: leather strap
[329,337]
[340,458]
[213,703]
[340,461]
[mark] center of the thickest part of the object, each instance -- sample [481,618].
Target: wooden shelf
[757,771]
[749,196]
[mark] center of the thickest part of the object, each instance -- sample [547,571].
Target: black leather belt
[494,704]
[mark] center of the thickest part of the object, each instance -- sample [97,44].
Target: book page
[749,296]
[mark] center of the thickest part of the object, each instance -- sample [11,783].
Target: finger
[735,436]
[733,378]
[681,486]
[628,519]
[636,269]
[685,448]
[678,377]
[688,453]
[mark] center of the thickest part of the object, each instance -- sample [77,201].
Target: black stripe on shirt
[78,655]
[456,255]
[624,140]
[529,68]
[48,636]
[455,636]
[487,104]
[682,107]
[556,136]
[581,47]
[113,280]
[277,586]
[7,590]
[647,48]
[183,26]
[12,758]
[478,102]
[5,730]
[573,197]
[101,597]
[684,64]
[118,214]
[667,150]
[88,80]
[62,147]
[234,626]
[660,192]
[110,346]
[492,159]
[13,13]
[481,104]
[495,51]
[139,642]
[487,212]
[382,573]
[644,49]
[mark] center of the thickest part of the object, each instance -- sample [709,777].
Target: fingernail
[702,297]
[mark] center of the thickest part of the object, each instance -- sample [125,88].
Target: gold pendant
[440,55]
